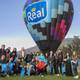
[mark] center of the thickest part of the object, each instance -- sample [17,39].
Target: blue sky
[13,29]
[75,27]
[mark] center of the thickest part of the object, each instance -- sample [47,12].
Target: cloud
[18,42]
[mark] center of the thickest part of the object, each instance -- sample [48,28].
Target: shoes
[7,75]
[76,77]
[42,75]
[57,75]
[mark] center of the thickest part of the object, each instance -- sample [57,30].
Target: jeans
[4,68]
[63,68]
[51,68]
[22,73]
[74,69]
[28,71]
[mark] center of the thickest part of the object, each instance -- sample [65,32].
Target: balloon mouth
[48,24]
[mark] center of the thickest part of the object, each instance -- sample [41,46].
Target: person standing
[60,58]
[14,53]
[22,54]
[2,50]
[56,64]
[68,65]
[50,62]
[74,63]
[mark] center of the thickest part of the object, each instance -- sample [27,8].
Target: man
[2,50]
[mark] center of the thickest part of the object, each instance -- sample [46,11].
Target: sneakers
[76,77]
[57,75]
[42,75]
[7,75]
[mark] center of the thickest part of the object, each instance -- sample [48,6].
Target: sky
[13,31]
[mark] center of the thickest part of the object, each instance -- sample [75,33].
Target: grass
[46,77]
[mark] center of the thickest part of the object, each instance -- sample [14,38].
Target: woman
[22,54]
[68,65]
[74,63]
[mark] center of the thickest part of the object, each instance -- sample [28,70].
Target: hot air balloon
[48,21]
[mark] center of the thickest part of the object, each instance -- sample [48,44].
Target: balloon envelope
[48,21]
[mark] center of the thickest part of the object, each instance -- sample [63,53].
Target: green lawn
[48,77]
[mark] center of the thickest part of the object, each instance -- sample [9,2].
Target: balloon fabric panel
[48,21]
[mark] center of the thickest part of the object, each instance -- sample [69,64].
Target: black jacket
[2,52]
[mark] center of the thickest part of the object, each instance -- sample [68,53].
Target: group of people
[36,63]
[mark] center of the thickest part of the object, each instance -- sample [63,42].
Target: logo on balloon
[36,12]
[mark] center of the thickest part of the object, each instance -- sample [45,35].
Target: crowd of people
[36,63]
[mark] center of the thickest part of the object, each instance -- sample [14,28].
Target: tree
[74,46]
